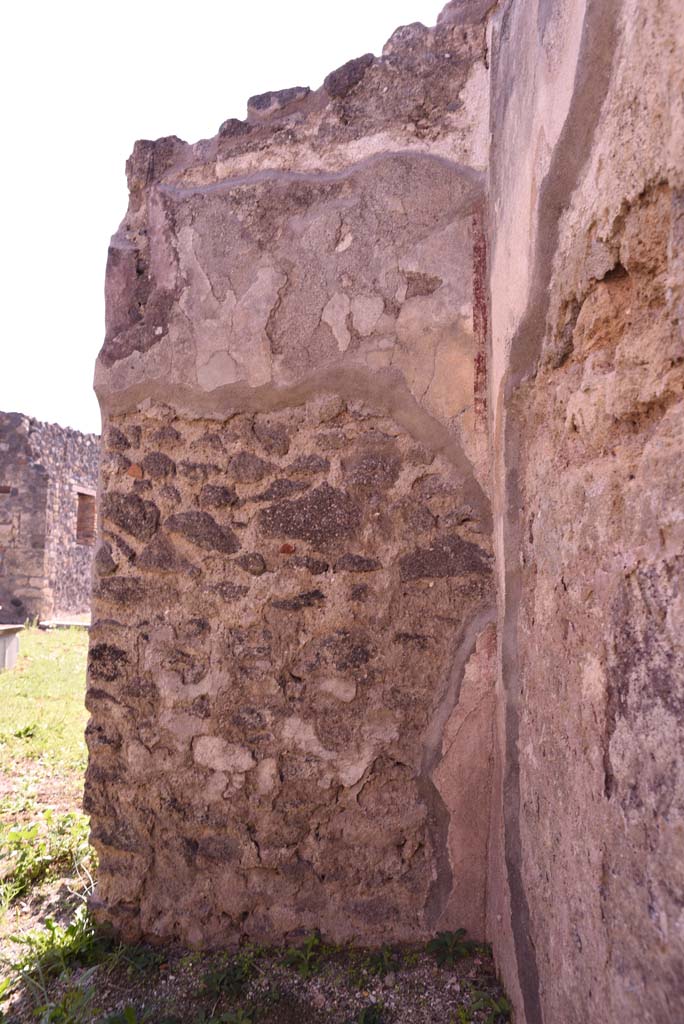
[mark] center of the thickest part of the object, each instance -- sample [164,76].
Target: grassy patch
[42,714]
[42,724]
[53,844]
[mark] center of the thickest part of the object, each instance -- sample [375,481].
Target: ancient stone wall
[296,560]
[44,564]
[587,372]
[329,686]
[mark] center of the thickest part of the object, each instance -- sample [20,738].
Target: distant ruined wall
[44,569]
[330,685]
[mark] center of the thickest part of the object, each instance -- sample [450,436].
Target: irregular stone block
[247,468]
[217,496]
[322,517]
[447,556]
[202,530]
[356,563]
[294,604]
[253,563]
[338,83]
[157,465]
[130,513]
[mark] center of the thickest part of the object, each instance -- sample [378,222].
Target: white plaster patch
[219,755]
[335,315]
[366,311]
[342,689]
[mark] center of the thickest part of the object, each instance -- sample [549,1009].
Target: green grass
[42,714]
[42,757]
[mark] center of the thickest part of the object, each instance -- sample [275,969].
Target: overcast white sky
[80,81]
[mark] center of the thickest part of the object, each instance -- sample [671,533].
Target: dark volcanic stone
[217,496]
[106,662]
[160,555]
[272,436]
[282,488]
[316,566]
[356,563]
[448,556]
[276,99]
[431,486]
[377,469]
[417,515]
[170,493]
[103,561]
[348,650]
[117,440]
[197,472]
[132,514]
[343,79]
[165,435]
[247,468]
[230,591]
[309,465]
[202,529]
[191,668]
[323,516]
[295,604]
[157,465]
[193,629]
[253,563]
[120,590]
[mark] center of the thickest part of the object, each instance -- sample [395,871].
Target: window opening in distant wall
[85,518]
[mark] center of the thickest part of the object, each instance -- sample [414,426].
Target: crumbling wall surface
[44,570]
[71,460]
[294,582]
[23,512]
[587,378]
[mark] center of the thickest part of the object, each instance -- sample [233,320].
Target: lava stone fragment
[356,563]
[202,529]
[123,590]
[282,488]
[273,437]
[161,556]
[106,662]
[316,566]
[309,465]
[341,81]
[373,470]
[323,516]
[132,514]
[157,465]
[104,562]
[166,435]
[247,468]
[253,563]
[197,472]
[230,592]
[448,556]
[305,600]
[117,440]
[217,496]
[193,629]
